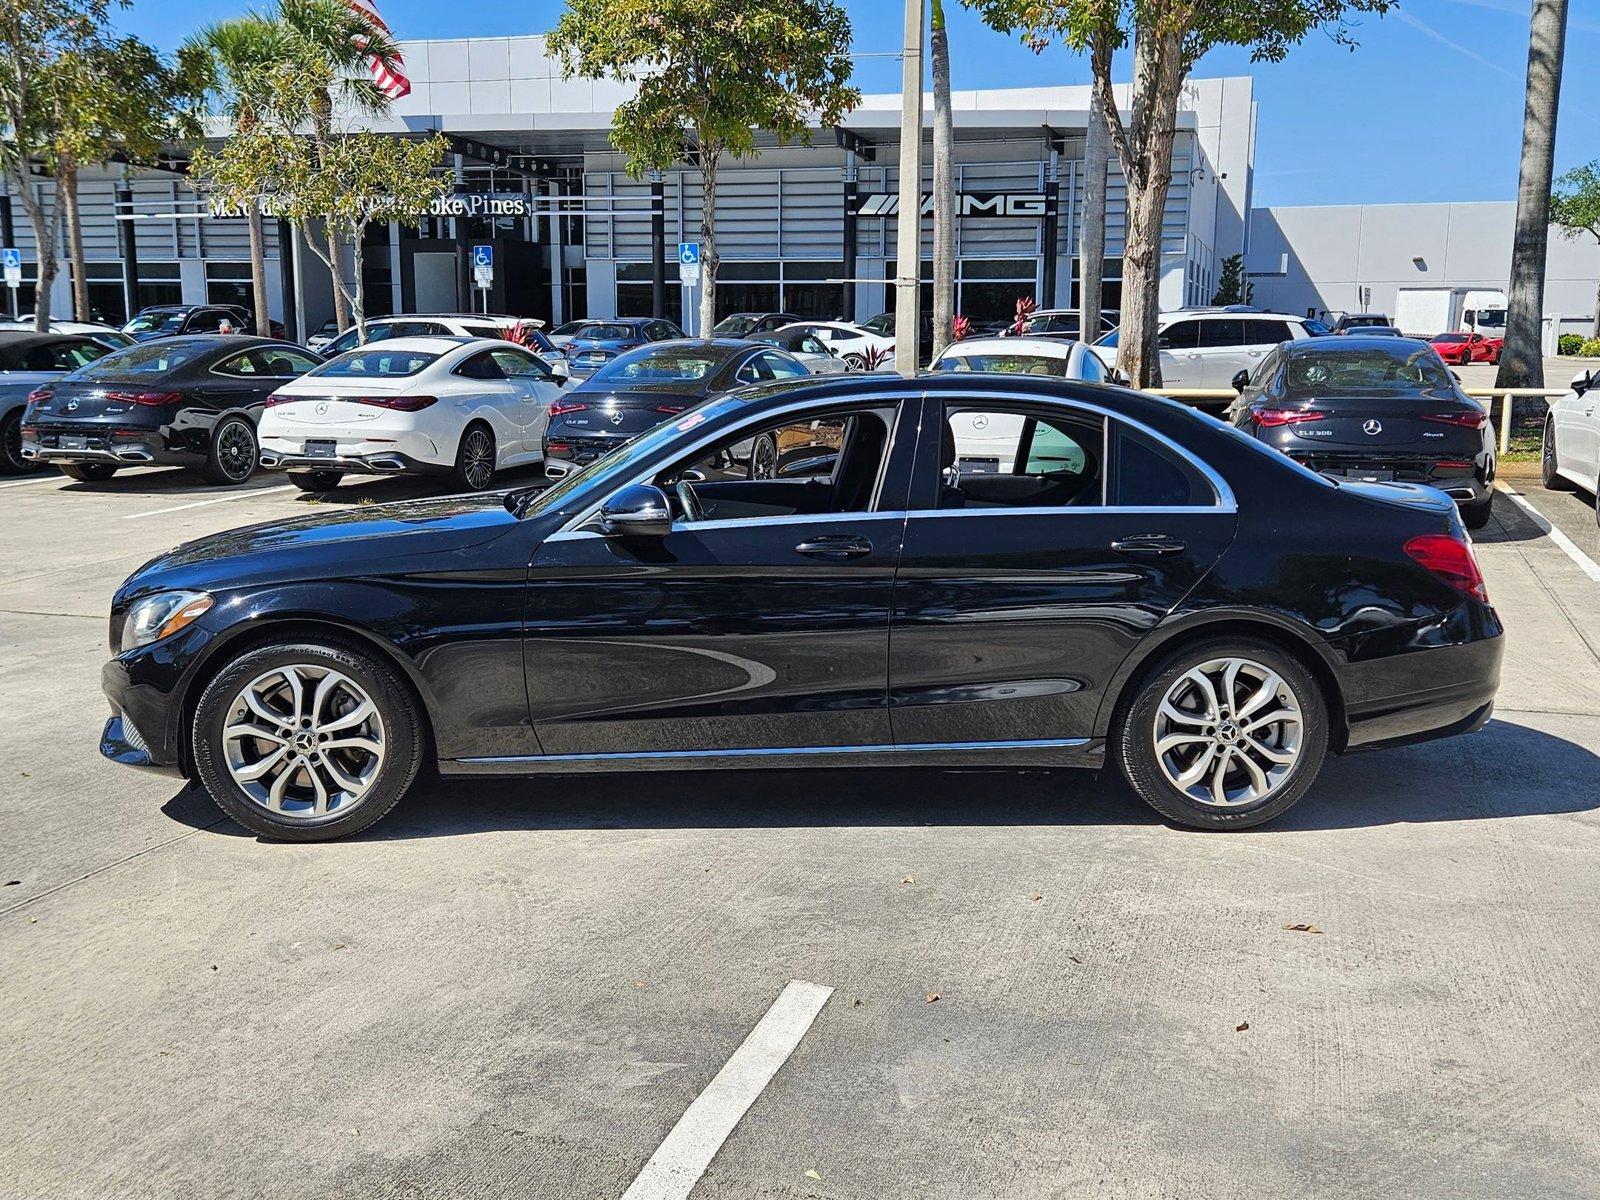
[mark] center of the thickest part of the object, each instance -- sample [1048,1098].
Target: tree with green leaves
[1575,206]
[1168,37]
[237,60]
[944,184]
[1232,286]
[710,74]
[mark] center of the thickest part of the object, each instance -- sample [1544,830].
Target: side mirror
[1117,376]
[561,370]
[640,510]
[1582,382]
[1241,380]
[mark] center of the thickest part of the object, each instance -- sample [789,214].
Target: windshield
[667,364]
[568,329]
[375,363]
[1451,337]
[1368,369]
[735,325]
[605,333]
[613,466]
[1491,316]
[882,324]
[150,359]
[155,322]
[1009,364]
[1316,328]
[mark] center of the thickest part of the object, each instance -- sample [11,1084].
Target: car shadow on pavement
[1508,524]
[378,489]
[1507,770]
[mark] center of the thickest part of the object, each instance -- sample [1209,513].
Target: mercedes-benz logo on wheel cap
[1373,427]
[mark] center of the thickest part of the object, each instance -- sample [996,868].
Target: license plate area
[1369,474]
[321,448]
[74,442]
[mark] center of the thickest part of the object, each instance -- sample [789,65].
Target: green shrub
[1590,348]
[1569,344]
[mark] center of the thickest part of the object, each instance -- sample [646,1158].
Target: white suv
[1207,347]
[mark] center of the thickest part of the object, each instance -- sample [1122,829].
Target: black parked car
[1374,408]
[646,386]
[189,401]
[748,324]
[176,320]
[1124,592]
[28,361]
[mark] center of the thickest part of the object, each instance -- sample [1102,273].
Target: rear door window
[1180,335]
[1146,474]
[1221,331]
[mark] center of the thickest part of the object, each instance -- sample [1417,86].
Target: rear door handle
[835,546]
[1148,544]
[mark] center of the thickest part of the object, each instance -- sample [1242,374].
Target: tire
[1147,772]
[232,454]
[316,481]
[395,726]
[1476,516]
[88,472]
[1553,481]
[474,468]
[764,457]
[11,460]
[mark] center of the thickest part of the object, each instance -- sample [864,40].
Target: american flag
[387,75]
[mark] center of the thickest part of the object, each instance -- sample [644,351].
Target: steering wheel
[692,510]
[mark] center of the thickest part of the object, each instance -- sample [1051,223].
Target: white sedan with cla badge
[463,407]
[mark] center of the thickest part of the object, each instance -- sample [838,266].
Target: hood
[327,544]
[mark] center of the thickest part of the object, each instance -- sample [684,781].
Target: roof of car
[1038,346]
[429,343]
[1358,339]
[15,338]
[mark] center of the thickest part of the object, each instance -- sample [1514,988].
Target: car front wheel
[475,459]
[307,740]
[1224,734]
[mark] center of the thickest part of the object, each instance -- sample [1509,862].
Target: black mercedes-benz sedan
[1140,585]
[1372,408]
[640,389]
[182,401]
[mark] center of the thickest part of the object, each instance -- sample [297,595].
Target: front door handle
[1148,544]
[835,546]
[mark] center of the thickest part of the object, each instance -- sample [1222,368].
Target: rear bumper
[1426,694]
[1465,485]
[134,448]
[398,453]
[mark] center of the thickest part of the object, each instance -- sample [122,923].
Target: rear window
[659,365]
[1006,364]
[155,322]
[734,326]
[1367,368]
[376,363]
[606,333]
[150,358]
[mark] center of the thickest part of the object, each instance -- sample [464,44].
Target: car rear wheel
[306,740]
[1553,480]
[316,481]
[474,469]
[1224,734]
[11,460]
[764,457]
[89,472]
[231,457]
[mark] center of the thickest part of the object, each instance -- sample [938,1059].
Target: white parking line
[245,495]
[678,1163]
[33,482]
[1585,564]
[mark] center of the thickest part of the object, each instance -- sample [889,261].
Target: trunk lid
[104,401]
[1430,425]
[307,404]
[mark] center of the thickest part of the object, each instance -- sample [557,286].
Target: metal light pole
[908,222]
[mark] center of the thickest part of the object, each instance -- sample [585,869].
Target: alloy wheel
[304,741]
[763,459]
[1228,733]
[477,458]
[236,450]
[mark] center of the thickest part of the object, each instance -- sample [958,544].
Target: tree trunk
[335,264]
[1521,360]
[708,238]
[258,270]
[944,187]
[45,228]
[1596,332]
[1092,230]
[67,190]
[360,306]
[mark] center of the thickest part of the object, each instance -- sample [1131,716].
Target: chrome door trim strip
[764,752]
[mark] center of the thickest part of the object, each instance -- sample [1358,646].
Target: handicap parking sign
[11,266]
[483,256]
[689,254]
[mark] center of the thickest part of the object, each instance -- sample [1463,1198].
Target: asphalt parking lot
[1038,987]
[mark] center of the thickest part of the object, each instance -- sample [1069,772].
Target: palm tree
[1521,361]
[333,45]
[1092,230]
[237,59]
[944,186]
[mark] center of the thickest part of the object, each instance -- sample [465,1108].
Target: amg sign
[1020,205]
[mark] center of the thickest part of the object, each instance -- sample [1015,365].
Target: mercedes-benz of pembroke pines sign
[1022,205]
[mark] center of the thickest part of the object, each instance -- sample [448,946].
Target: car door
[484,393]
[1577,425]
[239,381]
[764,624]
[1020,593]
[536,389]
[1179,349]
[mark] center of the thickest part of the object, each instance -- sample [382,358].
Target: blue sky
[1427,107]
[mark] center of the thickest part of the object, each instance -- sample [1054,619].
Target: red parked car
[1458,349]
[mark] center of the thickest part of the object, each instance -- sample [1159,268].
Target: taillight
[671,410]
[39,395]
[1284,416]
[148,399]
[1469,419]
[561,408]
[1451,560]
[394,403]
[278,398]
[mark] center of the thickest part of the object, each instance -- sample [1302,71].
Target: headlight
[158,616]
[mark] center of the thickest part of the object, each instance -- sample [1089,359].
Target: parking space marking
[34,482]
[683,1157]
[1585,564]
[161,512]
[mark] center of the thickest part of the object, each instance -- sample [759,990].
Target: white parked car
[1207,347]
[106,335]
[405,325]
[860,349]
[988,442]
[805,345]
[464,407]
[1572,438]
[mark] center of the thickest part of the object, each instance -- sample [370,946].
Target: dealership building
[805,228]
